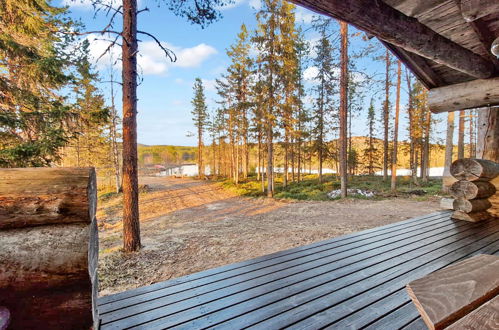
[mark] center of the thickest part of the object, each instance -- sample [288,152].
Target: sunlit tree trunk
[449,146]
[386,115]
[396,130]
[343,107]
[131,225]
[460,136]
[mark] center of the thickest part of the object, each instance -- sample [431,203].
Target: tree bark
[447,179]
[131,225]
[343,108]
[396,130]
[386,115]
[460,136]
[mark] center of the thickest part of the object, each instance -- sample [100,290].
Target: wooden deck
[350,282]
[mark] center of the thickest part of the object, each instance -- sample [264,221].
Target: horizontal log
[403,31]
[472,189]
[472,217]
[41,196]
[473,94]
[474,205]
[474,169]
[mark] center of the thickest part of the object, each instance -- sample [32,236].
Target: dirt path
[189,226]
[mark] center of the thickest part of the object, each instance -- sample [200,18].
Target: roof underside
[446,18]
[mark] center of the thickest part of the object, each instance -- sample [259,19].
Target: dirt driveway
[189,226]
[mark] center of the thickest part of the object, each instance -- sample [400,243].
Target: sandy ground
[189,226]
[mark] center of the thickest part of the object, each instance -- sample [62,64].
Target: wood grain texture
[405,32]
[470,169]
[448,294]
[41,196]
[474,94]
[472,216]
[472,189]
[473,205]
[485,317]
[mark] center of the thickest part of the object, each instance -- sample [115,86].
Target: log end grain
[472,217]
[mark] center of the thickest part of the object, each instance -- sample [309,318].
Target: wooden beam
[476,9]
[472,13]
[394,27]
[472,94]
[417,65]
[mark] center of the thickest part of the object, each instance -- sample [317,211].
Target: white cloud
[304,16]
[234,4]
[89,4]
[310,73]
[256,4]
[152,59]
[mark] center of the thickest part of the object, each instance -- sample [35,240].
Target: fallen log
[474,169]
[468,206]
[472,189]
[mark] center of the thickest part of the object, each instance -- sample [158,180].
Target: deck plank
[353,281]
[346,239]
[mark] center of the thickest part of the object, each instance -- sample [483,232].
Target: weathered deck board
[353,281]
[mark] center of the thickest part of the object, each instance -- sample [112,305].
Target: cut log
[474,169]
[448,294]
[474,205]
[46,196]
[472,94]
[447,203]
[472,189]
[471,217]
[403,31]
[485,317]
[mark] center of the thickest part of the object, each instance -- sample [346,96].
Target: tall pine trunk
[343,107]
[386,111]
[131,225]
[460,136]
[396,129]
[449,146]
[425,161]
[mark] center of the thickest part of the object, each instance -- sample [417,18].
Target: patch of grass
[311,189]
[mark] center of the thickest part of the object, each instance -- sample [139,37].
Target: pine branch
[169,53]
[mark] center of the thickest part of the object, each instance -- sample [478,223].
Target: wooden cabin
[350,282]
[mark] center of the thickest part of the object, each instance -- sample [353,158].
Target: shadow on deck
[353,281]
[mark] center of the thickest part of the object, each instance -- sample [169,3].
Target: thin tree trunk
[472,147]
[426,148]
[449,146]
[386,111]
[460,136]
[131,225]
[396,129]
[343,107]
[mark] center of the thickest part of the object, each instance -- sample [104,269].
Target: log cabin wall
[48,247]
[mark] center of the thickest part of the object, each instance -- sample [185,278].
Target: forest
[285,104]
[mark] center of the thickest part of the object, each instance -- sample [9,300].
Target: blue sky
[166,89]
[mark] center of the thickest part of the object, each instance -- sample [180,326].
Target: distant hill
[170,154]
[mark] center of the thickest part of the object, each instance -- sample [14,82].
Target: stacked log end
[49,248]
[475,191]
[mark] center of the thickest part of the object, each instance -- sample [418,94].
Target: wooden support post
[488,146]
[49,247]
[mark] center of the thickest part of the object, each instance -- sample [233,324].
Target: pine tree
[396,129]
[343,108]
[268,44]
[324,89]
[200,118]
[386,115]
[35,61]
[370,153]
